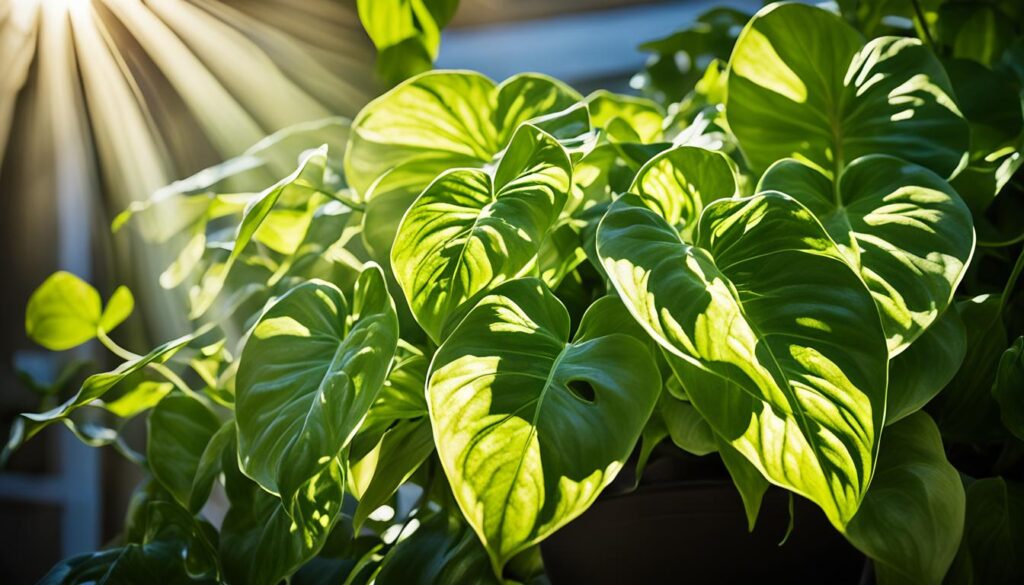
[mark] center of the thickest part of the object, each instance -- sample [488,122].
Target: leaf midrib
[529,438]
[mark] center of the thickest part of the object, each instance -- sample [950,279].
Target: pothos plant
[442,336]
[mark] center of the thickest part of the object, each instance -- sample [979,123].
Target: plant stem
[161,369]
[1012,282]
[1003,243]
[114,348]
[922,24]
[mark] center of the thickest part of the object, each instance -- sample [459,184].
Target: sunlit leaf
[307,376]
[529,426]
[901,226]
[804,84]
[764,300]
[470,231]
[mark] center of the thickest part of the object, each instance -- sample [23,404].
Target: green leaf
[912,518]
[377,475]
[992,550]
[469,231]
[764,300]
[119,308]
[442,551]
[626,118]
[918,374]
[180,429]
[94,387]
[748,479]
[983,35]
[824,96]
[686,427]
[262,543]
[1009,388]
[530,427]
[679,182]
[158,562]
[901,226]
[991,102]
[65,312]
[305,181]
[407,33]
[438,121]
[307,376]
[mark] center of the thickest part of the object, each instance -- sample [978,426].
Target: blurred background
[103,102]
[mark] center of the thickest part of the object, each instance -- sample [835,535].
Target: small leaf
[639,119]
[530,427]
[377,475]
[119,308]
[912,517]
[63,312]
[307,376]
[679,182]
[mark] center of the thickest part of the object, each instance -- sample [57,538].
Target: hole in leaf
[582,390]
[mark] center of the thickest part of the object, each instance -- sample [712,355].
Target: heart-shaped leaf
[308,374]
[911,519]
[900,225]
[764,300]
[438,121]
[679,182]
[65,311]
[803,84]
[470,231]
[529,426]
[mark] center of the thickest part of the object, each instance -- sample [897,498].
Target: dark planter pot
[695,532]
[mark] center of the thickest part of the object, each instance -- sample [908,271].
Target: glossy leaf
[65,311]
[1009,388]
[912,518]
[625,118]
[377,475]
[764,300]
[261,543]
[307,376]
[918,374]
[439,121]
[470,231]
[901,226]
[180,428]
[804,84]
[529,426]
[679,182]
[407,33]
